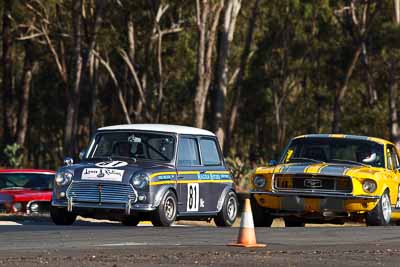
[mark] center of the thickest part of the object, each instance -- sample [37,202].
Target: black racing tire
[165,214]
[130,220]
[294,222]
[261,216]
[380,215]
[61,216]
[227,216]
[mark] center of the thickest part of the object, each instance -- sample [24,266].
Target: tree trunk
[397,11]
[341,92]
[237,90]
[29,65]
[226,36]
[73,92]
[93,80]
[7,64]
[93,62]
[393,118]
[207,23]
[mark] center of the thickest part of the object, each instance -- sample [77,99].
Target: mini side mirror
[68,161]
[272,162]
[82,154]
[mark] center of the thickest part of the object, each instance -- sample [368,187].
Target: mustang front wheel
[261,217]
[61,216]
[380,215]
[165,214]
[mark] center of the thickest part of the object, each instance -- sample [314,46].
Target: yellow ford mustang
[329,178]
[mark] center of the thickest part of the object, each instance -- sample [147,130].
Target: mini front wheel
[61,216]
[165,214]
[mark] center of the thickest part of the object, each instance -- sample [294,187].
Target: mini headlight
[259,181]
[369,186]
[63,178]
[140,181]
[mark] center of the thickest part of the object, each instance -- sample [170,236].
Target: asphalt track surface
[103,244]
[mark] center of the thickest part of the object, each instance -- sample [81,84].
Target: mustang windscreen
[334,150]
[26,181]
[134,145]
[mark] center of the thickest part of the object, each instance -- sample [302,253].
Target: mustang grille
[312,183]
[101,192]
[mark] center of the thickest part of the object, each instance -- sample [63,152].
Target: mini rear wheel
[382,212]
[228,213]
[165,214]
[61,216]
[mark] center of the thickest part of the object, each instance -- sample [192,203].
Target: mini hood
[126,169]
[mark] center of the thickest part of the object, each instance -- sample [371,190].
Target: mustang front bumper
[308,202]
[315,195]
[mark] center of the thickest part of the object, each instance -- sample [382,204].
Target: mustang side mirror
[82,154]
[68,161]
[272,162]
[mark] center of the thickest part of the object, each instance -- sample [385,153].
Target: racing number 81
[193,197]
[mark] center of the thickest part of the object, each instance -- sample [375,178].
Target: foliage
[14,155]
[299,57]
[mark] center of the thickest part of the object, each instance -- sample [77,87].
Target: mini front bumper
[120,207]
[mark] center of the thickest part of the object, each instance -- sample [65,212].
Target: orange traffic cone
[247,235]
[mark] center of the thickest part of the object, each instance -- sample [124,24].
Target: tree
[207,19]
[73,91]
[7,75]
[231,11]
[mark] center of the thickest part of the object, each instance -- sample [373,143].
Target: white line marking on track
[174,225]
[134,244]
[9,223]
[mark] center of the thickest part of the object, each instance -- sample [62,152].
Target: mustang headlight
[63,178]
[259,181]
[369,186]
[140,181]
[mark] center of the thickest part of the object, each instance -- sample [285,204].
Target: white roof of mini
[166,128]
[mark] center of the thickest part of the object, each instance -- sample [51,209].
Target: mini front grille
[101,192]
[312,183]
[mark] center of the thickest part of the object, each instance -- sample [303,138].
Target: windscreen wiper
[350,162]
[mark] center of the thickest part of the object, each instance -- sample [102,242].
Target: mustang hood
[325,169]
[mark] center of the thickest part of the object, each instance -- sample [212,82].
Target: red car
[27,190]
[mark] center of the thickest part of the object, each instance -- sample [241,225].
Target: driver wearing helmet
[366,155]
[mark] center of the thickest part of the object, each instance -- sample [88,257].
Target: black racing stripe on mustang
[294,169]
[334,170]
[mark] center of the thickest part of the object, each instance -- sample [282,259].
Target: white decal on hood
[111,164]
[102,174]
